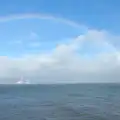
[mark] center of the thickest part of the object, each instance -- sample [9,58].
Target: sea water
[60,102]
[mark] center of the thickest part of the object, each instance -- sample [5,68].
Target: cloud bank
[90,57]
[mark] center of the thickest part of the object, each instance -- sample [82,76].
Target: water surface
[60,102]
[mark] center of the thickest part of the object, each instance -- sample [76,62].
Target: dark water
[60,102]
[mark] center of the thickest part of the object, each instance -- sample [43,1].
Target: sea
[60,102]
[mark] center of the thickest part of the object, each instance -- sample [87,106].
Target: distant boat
[22,81]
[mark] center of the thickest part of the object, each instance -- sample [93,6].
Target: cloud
[90,57]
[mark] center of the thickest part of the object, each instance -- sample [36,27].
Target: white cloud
[66,62]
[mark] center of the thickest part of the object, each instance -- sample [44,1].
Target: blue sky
[54,39]
[24,32]
[100,13]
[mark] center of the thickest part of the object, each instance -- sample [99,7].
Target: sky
[71,41]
